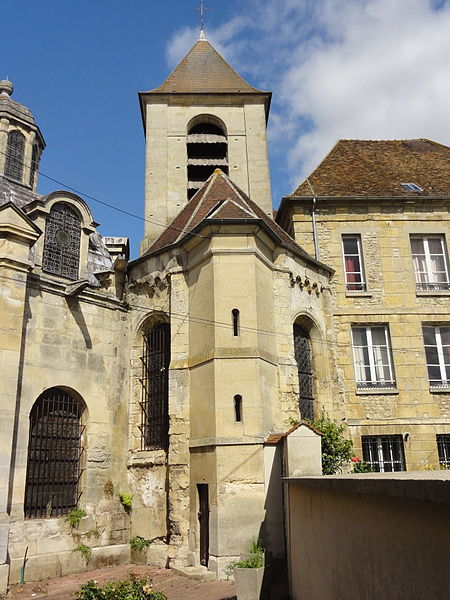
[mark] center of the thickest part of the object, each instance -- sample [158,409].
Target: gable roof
[377,168]
[221,200]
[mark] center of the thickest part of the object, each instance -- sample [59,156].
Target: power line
[116,208]
[222,324]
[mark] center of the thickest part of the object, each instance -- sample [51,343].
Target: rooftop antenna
[202,9]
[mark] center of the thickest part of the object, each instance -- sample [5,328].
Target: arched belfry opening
[207,150]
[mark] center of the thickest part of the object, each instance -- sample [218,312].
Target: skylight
[411,187]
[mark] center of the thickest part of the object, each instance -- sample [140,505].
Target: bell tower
[203,117]
[21,142]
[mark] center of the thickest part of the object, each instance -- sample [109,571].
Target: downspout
[314,226]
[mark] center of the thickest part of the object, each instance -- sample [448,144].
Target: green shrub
[74,516]
[336,447]
[139,543]
[126,499]
[359,466]
[84,550]
[131,588]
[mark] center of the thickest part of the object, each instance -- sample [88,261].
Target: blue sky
[372,69]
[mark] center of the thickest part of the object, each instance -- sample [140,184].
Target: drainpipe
[313,215]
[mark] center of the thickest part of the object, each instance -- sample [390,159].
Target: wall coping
[431,486]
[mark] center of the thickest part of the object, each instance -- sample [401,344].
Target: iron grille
[15,151]
[437,286]
[155,388]
[62,242]
[443,444]
[302,349]
[384,453]
[54,455]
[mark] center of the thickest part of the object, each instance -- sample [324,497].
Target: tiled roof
[365,168]
[219,199]
[203,70]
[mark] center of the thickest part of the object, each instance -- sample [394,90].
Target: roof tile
[366,168]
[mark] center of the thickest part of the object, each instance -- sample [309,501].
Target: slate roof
[367,168]
[16,193]
[204,71]
[220,200]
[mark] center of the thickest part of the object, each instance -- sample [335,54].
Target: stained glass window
[15,151]
[62,242]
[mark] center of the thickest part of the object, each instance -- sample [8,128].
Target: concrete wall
[365,537]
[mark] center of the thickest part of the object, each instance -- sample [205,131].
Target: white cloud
[373,69]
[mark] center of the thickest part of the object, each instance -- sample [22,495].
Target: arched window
[54,455]
[62,241]
[15,151]
[235,317]
[155,388]
[207,150]
[302,349]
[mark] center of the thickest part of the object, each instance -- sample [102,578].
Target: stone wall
[390,299]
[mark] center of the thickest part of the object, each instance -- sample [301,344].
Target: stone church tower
[204,116]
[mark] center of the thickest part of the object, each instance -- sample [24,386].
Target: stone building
[377,212]
[174,377]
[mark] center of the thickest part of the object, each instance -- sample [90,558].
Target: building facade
[170,380]
[381,218]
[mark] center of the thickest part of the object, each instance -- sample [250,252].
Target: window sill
[356,294]
[147,458]
[439,389]
[433,293]
[373,391]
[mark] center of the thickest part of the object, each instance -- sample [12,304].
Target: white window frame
[444,381]
[375,382]
[432,284]
[349,284]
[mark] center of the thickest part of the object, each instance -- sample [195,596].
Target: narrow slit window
[238,408]
[15,152]
[235,316]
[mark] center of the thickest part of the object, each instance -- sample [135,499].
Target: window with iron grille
[54,455]
[353,263]
[372,357]
[155,388]
[443,444]
[302,350]
[62,241]
[384,453]
[15,152]
[437,351]
[430,263]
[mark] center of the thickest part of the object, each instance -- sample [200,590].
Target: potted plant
[250,573]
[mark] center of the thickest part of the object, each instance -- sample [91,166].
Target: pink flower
[355,459]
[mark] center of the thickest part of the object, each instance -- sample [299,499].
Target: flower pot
[249,583]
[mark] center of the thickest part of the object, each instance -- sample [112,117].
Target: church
[154,394]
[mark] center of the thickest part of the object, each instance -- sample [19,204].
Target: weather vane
[202,9]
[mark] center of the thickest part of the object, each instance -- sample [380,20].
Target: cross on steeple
[202,9]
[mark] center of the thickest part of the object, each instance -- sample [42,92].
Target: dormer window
[15,151]
[411,187]
[207,150]
[62,241]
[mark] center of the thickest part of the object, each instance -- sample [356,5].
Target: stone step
[198,573]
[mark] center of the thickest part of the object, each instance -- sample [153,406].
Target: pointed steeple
[204,71]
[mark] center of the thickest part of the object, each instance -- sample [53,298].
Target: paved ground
[176,587]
